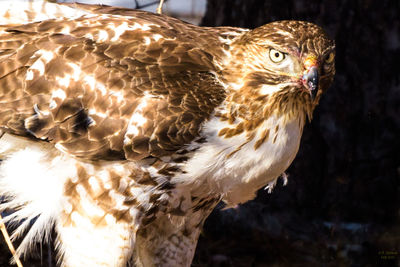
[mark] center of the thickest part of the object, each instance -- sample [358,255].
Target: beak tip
[313,93]
[311,81]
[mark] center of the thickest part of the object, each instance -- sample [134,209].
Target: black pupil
[276,54]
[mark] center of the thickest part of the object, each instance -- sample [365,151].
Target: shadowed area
[341,204]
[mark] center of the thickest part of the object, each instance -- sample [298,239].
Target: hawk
[122,129]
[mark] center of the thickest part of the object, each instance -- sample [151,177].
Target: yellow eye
[276,56]
[329,59]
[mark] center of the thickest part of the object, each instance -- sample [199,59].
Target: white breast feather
[239,176]
[32,179]
[27,180]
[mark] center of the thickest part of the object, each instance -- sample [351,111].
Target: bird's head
[292,62]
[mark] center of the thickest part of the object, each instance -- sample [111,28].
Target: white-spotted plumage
[122,130]
[23,11]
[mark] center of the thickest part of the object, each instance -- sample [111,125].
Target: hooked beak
[310,80]
[310,77]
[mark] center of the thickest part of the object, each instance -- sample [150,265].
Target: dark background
[341,206]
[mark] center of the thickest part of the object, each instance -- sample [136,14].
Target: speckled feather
[132,126]
[90,85]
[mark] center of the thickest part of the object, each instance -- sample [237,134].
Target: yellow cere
[310,61]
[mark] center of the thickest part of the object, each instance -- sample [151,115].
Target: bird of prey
[122,129]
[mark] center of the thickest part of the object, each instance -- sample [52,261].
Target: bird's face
[292,58]
[301,71]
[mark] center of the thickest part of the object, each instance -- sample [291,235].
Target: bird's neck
[250,141]
[240,157]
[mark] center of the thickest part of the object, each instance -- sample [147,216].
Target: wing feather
[146,93]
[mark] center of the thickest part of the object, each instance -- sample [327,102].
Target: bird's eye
[329,59]
[276,56]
